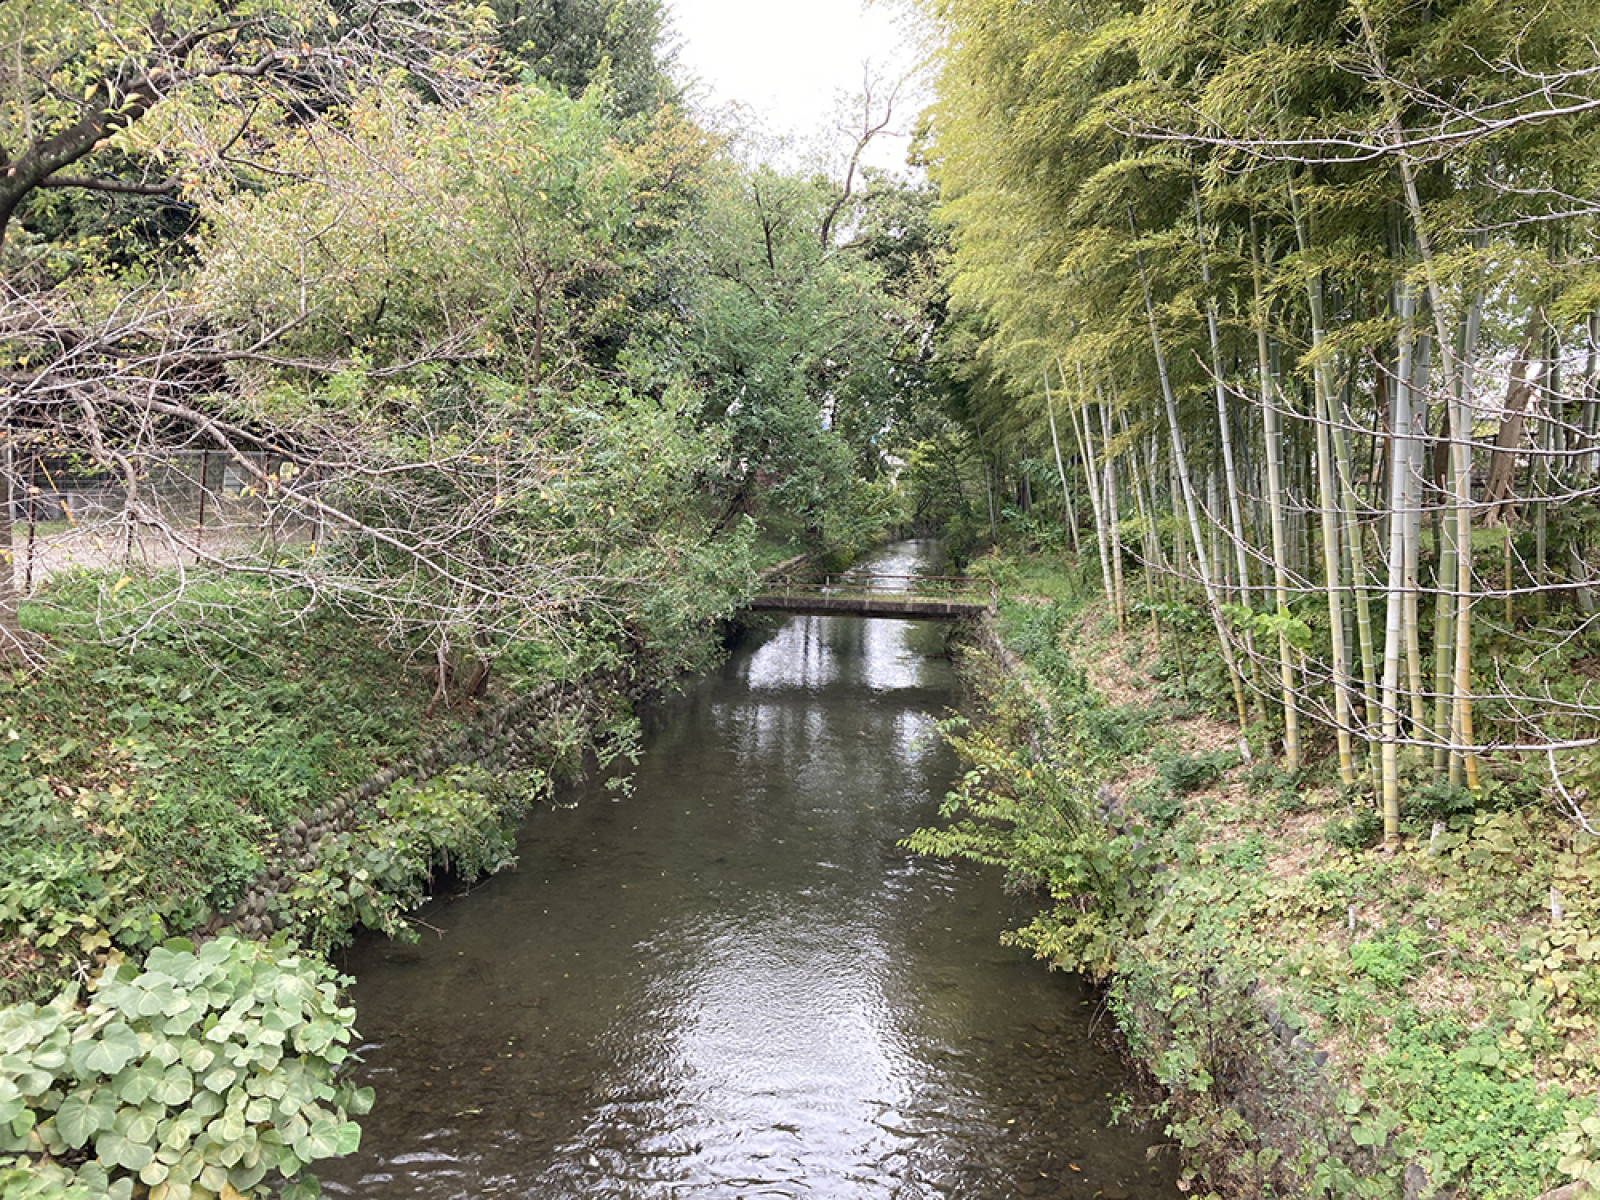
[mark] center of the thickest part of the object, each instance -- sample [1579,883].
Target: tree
[138,101]
[78,79]
[575,44]
[794,346]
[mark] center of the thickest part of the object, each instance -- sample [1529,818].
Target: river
[731,982]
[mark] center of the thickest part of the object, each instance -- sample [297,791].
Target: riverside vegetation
[150,770]
[380,365]
[1325,1019]
[1282,320]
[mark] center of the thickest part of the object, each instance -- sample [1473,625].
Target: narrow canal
[732,982]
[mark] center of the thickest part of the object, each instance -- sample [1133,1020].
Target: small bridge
[907,597]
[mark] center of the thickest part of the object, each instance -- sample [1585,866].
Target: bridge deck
[909,598]
[907,609]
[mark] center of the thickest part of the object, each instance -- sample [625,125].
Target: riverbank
[171,762]
[195,754]
[1326,1019]
[200,757]
[733,981]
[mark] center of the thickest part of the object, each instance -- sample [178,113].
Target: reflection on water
[734,983]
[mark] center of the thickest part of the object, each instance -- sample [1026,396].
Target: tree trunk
[1444,616]
[1457,362]
[1147,533]
[988,483]
[1499,492]
[1355,553]
[1413,532]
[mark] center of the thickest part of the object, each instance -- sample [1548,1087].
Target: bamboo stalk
[1280,552]
[1181,467]
[1328,505]
[1394,631]
[1113,517]
[1413,532]
[1086,450]
[1066,492]
[1457,363]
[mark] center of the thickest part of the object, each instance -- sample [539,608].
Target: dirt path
[107,545]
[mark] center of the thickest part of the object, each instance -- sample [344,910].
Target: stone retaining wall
[504,739]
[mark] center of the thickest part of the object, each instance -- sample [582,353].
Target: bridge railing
[961,589]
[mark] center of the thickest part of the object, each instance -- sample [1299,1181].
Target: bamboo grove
[1298,304]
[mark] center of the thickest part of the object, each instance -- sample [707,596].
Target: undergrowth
[1327,1020]
[164,743]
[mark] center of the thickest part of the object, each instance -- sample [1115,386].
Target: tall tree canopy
[577,43]
[517,347]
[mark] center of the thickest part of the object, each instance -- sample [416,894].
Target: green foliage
[462,821]
[1578,1145]
[797,351]
[1104,735]
[1186,994]
[427,219]
[612,44]
[1269,627]
[1188,1013]
[1031,814]
[1388,961]
[1464,1106]
[1185,773]
[943,484]
[204,1074]
[1161,800]
[1238,914]
[1186,958]
[1363,828]
[1157,807]
[1438,800]
[143,779]
[1266,778]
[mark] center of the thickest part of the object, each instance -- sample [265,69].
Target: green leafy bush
[1388,960]
[1480,1126]
[199,1076]
[1439,800]
[1358,831]
[1033,815]
[1183,774]
[1157,807]
[462,820]
[147,771]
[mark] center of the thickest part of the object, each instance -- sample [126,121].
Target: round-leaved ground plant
[206,1074]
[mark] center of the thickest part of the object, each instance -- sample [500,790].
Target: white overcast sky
[790,60]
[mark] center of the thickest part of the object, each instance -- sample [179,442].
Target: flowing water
[733,982]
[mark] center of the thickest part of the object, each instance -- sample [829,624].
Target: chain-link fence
[180,504]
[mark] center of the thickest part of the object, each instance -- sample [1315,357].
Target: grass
[1460,1017]
[162,747]
[1453,984]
